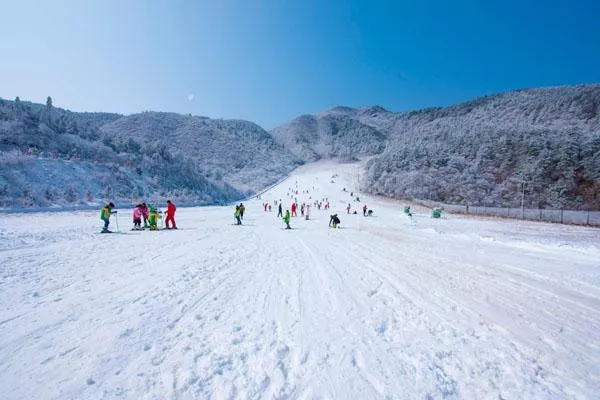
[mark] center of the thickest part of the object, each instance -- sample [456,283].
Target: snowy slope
[470,153]
[384,307]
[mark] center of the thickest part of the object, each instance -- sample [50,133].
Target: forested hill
[479,152]
[53,157]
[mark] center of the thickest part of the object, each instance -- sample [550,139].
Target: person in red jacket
[170,215]
[294,206]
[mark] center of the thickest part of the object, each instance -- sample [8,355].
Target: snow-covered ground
[385,307]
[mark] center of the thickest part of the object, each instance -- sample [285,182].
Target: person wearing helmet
[153,218]
[107,210]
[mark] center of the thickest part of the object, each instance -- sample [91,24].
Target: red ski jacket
[171,209]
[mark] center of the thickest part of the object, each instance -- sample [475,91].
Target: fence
[545,215]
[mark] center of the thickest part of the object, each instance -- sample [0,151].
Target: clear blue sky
[269,61]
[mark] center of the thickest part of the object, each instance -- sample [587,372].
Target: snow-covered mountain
[240,153]
[335,133]
[478,152]
[481,152]
[50,156]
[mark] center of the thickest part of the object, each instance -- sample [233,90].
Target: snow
[385,307]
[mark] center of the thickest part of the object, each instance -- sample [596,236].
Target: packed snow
[386,306]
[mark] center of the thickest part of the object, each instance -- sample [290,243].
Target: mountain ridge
[474,152]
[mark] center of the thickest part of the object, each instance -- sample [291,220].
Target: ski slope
[384,308]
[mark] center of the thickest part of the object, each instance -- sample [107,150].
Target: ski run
[384,307]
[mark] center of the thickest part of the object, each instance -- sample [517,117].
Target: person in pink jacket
[145,214]
[137,217]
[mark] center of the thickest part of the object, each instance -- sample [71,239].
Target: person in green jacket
[153,218]
[105,216]
[286,219]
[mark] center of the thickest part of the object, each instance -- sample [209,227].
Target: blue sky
[269,61]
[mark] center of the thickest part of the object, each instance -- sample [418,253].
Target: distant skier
[107,210]
[170,214]
[348,209]
[364,210]
[242,209]
[237,215]
[286,219]
[137,217]
[294,206]
[334,221]
[280,211]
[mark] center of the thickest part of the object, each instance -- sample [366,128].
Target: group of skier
[148,213]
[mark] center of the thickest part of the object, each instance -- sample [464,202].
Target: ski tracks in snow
[382,308]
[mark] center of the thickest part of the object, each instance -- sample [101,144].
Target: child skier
[153,218]
[105,216]
[286,219]
[145,214]
[170,215]
[137,217]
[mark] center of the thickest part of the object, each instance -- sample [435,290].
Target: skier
[265,205]
[237,215]
[348,209]
[170,214]
[286,219]
[280,211]
[145,214]
[334,221]
[153,218]
[306,211]
[302,210]
[242,209]
[364,210]
[105,216]
[294,214]
[137,218]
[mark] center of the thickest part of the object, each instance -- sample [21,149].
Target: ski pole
[117,220]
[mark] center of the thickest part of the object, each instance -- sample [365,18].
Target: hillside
[238,152]
[54,157]
[477,153]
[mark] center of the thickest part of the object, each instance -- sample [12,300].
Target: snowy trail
[384,307]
